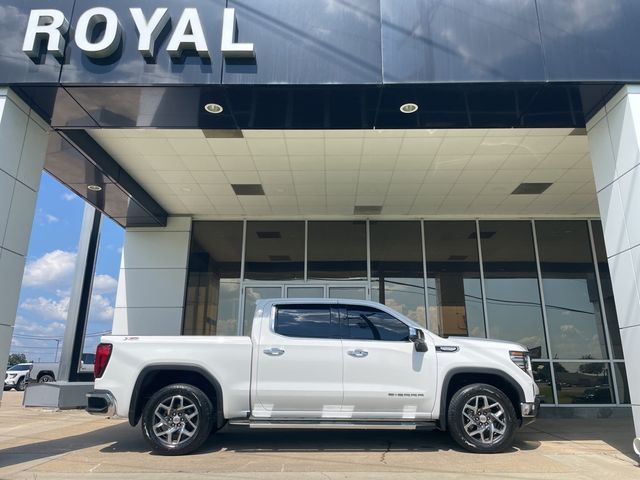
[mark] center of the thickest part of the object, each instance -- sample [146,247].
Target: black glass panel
[306,321]
[514,309]
[453,278]
[570,290]
[274,251]
[623,384]
[607,290]
[337,250]
[542,377]
[397,277]
[583,383]
[213,284]
[371,324]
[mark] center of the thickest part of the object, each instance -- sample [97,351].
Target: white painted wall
[23,146]
[614,139]
[153,275]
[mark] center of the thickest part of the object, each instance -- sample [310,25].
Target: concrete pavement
[69,445]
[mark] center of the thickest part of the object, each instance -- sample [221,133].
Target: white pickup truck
[316,364]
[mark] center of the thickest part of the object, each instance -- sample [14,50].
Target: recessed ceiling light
[409,108]
[213,108]
[94,188]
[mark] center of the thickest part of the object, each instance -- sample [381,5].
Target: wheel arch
[149,380]
[457,378]
[42,373]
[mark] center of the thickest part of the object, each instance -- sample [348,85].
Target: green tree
[16,358]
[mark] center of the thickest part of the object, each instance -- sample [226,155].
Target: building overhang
[298,65]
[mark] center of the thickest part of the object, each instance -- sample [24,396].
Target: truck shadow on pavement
[238,439]
[122,438]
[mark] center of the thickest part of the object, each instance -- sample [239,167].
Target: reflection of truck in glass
[317,364]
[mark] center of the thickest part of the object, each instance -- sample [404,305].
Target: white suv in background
[17,376]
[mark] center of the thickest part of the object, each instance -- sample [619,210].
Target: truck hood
[484,343]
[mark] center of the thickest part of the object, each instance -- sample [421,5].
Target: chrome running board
[329,424]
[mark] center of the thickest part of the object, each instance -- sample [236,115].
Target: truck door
[384,376]
[299,367]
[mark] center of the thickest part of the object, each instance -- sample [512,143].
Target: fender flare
[442,419]
[147,370]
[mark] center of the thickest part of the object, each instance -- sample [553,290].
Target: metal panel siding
[591,39]
[308,42]
[461,41]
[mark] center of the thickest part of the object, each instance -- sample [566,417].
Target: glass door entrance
[252,293]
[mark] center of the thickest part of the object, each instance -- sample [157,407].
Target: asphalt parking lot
[45,444]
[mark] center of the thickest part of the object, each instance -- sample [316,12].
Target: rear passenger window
[306,321]
[370,324]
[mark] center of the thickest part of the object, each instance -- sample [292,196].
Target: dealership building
[474,165]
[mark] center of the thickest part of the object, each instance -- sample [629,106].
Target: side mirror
[417,337]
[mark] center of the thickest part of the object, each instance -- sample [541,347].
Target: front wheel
[21,385]
[177,419]
[482,419]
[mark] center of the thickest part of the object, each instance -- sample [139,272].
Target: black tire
[21,385]
[480,438]
[162,401]
[46,378]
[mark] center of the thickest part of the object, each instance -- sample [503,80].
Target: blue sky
[44,297]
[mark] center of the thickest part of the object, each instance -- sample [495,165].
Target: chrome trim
[274,351]
[109,409]
[447,348]
[530,410]
[358,353]
[332,424]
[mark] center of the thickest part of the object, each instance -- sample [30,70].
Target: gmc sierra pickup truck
[316,364]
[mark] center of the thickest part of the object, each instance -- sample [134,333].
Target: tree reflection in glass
[514,309]
[570,290]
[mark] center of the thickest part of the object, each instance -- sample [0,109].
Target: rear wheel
[482,419]
[177,419]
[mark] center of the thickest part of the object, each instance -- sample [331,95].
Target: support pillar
[153,276]
[78,314]
[23,143]
[614,139]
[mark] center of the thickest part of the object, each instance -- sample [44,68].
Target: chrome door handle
[358,353]
[274,351]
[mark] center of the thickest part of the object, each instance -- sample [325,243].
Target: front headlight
[522,360]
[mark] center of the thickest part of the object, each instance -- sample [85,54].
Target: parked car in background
[44,372]
[17,376]
[86,362]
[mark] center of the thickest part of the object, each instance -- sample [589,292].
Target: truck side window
[370,324]
[305,321]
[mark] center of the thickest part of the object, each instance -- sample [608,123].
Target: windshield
[20,367]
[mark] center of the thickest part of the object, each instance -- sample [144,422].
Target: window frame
[334,320]
[345,331]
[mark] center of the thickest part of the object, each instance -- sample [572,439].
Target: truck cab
[317,363]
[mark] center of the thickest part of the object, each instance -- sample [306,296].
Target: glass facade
[397,273]
[514,306]
[213,285]
[453,278]
[544,284]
